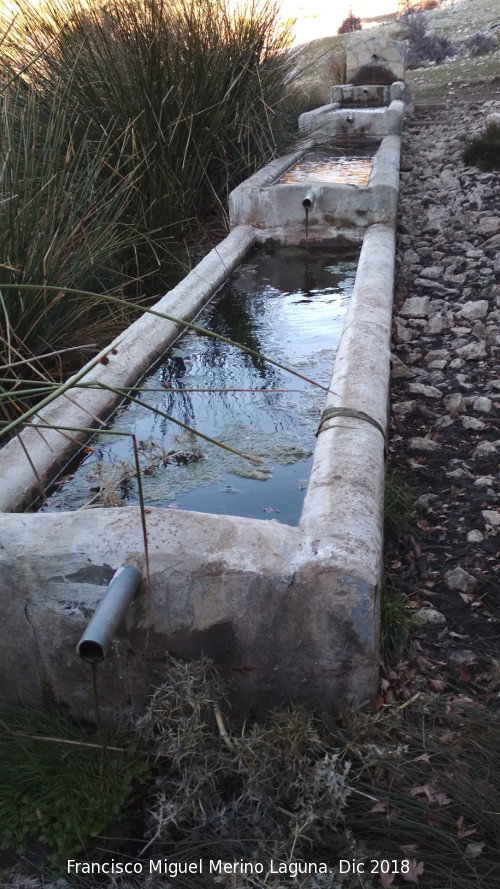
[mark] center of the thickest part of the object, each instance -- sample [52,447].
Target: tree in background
[351,23]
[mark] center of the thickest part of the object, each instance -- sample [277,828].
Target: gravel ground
[445,400]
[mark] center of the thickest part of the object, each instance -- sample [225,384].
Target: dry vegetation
[406,790]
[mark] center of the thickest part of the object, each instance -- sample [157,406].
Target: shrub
[424,45]
[351,23]
[480,43]
[484,151]
[273,790]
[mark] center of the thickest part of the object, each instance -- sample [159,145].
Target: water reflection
[284,303]
[316,167]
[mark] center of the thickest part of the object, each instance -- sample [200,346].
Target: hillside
[456,20]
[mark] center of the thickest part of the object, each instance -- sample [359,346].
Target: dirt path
[445,400]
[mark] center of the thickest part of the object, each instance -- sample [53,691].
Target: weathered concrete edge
[330,120]
[281,621]
[266,175]
[342,516]
[265,206]
[127,359]
[342,512]
[386,162]
[294,621]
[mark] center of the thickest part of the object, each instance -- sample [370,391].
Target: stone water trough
[288,613]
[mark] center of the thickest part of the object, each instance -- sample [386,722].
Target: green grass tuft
[398,502]
[395,620]
[60,783]
[484,151]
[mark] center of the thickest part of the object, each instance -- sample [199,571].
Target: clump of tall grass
[62,209]
[433,767]
[61,782]
[200,89]
[399,499]
[484,151]
[122,129]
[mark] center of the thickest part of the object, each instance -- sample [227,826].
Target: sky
[315,18]
[320,18]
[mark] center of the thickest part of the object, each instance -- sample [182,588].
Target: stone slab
[375,59]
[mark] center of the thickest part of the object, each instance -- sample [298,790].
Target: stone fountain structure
[288,613]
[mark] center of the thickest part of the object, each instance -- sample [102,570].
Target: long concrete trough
[287,613]
[290,613]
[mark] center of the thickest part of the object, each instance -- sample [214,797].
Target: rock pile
[445,393]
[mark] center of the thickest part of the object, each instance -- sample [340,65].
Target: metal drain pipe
[95,643]
[309,199]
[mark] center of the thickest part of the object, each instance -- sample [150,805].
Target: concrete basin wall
[277,210]
[289,614]
[331,120]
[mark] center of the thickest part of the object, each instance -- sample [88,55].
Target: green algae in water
[282,302]
[286,455]
[261,475]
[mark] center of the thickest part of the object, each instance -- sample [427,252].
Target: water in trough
[347,162]
[286,303]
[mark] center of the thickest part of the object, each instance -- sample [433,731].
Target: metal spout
[349,118]
[95,643]
[308,200]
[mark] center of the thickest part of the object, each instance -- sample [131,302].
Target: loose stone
[428,616]
[459,473]
[482,404]
[484,449]
[434,272]
[415,307]
[460,581]
[454,403]
[474,309]
[484,481]
[489,225]
[427,391]
[472,423]
[400,370]
[423,444]
[472,352]
[491,517]
[404,408]
[475,536]
[425,500]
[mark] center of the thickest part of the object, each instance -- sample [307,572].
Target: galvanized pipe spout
[95,643]
[308,200]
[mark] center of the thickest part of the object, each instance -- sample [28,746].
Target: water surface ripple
[284,303]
